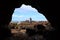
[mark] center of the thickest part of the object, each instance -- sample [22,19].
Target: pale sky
[25,12]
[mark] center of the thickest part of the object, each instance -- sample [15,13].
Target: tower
[30,20]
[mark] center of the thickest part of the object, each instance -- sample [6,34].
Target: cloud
[25,8]
[18,16]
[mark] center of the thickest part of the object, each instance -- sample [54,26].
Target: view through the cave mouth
[25,12]
[27,18]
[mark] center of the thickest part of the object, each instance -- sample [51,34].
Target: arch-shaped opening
[26,14]
[27,11]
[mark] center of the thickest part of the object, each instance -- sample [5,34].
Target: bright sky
[25,12]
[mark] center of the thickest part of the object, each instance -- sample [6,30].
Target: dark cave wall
[7,9]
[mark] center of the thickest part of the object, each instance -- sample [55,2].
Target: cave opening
[26,17]
[25,12]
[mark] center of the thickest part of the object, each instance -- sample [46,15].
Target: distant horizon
[25,12]
[25,20]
